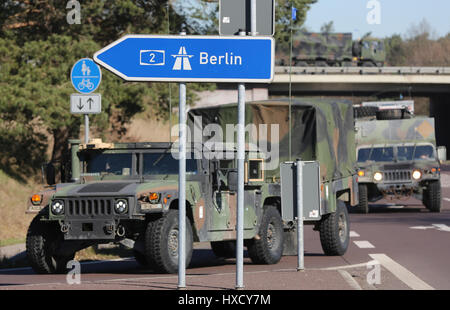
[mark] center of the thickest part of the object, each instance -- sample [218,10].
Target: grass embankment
[14,197]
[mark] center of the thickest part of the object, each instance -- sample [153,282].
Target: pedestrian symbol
[86,76]
[182,60]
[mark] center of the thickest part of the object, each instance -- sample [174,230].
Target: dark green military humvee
[397,157]
[129,191]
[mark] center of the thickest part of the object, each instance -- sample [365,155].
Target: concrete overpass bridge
[428,86]
[361,79]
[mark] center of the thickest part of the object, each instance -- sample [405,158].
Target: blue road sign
[86,76]
[190,58]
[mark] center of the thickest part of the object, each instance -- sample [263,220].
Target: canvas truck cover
[322,130]
[418,129]
[307,45]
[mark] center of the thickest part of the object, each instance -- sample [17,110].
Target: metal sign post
[300,247]
[182,187]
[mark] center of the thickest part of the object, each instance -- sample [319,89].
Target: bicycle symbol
[85,83]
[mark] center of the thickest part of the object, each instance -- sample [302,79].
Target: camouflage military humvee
[398,158]
[330,49]
[130,191]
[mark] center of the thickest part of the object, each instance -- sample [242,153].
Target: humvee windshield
[165,163]
[117,164]
[404,153]
[376,154]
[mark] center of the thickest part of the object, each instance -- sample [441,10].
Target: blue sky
[397,16]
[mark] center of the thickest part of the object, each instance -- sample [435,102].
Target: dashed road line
[401,272]
[353,234]
[349,279]
[364,244]
[446,199]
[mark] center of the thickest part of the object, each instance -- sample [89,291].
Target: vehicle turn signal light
[36,199]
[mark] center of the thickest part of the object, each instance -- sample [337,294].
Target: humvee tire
[268,248]
[161,242]
[363,206]
[334,231]
[432,196]
[225,249]
[42,241]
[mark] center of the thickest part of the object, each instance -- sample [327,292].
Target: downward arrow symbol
[80,106]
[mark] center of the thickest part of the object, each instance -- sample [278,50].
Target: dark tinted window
[164,163]
[363,155]
[382,154]
[405,153]
[423,152]
[117,164]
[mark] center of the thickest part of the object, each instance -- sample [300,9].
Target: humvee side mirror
[50,173]
[442,153]
[232,180]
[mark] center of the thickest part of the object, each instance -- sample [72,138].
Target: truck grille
[89,206]
[393,176]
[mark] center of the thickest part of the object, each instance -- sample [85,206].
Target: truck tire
[335,232]
[161,242]
[363,206]
[268,248]
[43,239]
[225,249]
[432,196]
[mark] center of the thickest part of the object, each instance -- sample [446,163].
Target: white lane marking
[446,199]
[401,272]
[349,279]
[353,234]
[364,244]
[396,207]
[440,227]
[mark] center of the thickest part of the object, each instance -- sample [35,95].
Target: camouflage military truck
[129,192]
[398,158]
[330,49]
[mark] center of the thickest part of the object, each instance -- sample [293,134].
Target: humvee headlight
[153,198]
[36,199]
[121,206]
[378,176]
[57,207]
[416,174]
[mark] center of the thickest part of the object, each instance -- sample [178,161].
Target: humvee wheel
[432,196]
[43,240]
[225,249]
[334,231]
[269,247]
[161,242]
[363,205]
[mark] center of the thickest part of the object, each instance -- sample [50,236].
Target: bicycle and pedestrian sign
[86,76]
[162,58]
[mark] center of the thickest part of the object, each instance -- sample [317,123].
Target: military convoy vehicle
[331,49]
[129,191]
[397,156]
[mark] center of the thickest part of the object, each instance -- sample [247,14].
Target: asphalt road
[399,245]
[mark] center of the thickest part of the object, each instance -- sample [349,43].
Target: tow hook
[120,231]
[64,228]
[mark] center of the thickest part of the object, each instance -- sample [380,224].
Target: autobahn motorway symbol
[190,58]
[85,104]
[85,76]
